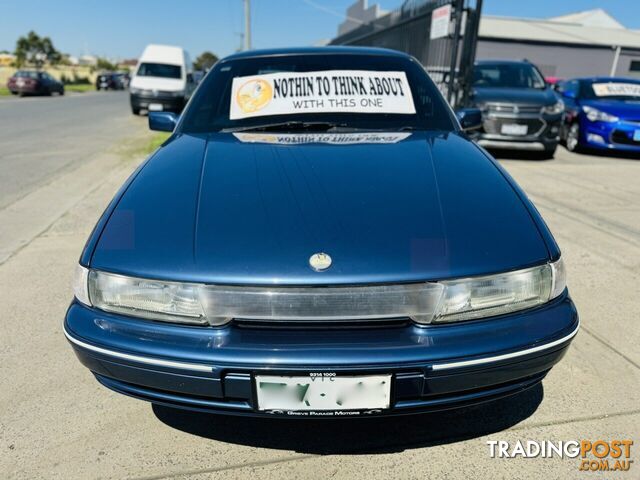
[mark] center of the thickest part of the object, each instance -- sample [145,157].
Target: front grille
[624,138]
[318,325]
[325,305]
[156,93]
[511,108]
[494,125]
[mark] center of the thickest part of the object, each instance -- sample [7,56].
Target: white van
[163,79]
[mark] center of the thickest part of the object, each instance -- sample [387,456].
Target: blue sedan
[601,113]
[319,237]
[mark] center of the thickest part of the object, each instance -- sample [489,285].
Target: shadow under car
[370,435]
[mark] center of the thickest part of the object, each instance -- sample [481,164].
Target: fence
[441,34]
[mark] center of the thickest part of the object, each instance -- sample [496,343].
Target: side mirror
[469,118]
[163,121]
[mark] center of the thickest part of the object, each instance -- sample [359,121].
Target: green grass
[138,147]
[80,88]
[155,141]
[4,91]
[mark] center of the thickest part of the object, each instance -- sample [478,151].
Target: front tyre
[548,153]
[573,138]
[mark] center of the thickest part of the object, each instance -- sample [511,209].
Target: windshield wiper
[289,126]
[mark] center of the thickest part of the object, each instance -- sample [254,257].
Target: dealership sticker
[329,138]
[611,89]
[337,91]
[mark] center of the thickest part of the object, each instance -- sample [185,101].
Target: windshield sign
[329,91]
[616,89]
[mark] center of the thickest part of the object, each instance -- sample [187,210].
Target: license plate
[636,135]
[155,107]
[323,392]
[513,129]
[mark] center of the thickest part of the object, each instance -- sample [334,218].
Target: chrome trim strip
[205,368]
[506,356]
[513,108]
[140,359]
[537,146]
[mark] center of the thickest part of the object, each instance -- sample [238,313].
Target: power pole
[247,24]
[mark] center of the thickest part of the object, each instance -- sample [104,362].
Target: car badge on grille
[516,109]
[320,261]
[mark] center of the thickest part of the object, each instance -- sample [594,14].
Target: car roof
[328,50]
[163,53]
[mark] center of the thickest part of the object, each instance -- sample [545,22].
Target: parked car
[319,237]
[551,80]
[163,80]
[520,110]
[109,81]
[34,82]
[198,75]
[123,79]
[602,113]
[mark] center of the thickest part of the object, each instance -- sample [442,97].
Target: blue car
[601,113]
[319,237]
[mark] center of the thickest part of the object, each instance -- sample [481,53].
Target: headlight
[492,295]
[595,115]
[159,300]
[135,91]
[554,109]
[424,303]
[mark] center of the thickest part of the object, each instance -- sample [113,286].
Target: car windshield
[344,91]
[623,89]
[507,75]
[26,74]
[159,70]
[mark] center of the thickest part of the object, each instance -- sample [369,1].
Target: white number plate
[323,391]
[636,135]
[155,107]
[513,129]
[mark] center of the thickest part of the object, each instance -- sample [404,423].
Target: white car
[163,80]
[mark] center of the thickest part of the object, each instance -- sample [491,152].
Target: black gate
[441,34]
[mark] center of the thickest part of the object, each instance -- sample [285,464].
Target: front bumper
[617,136]
[542,132]
[169,103]
[212,369]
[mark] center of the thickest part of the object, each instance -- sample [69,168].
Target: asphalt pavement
[43,143]
[43,136]
[57,422]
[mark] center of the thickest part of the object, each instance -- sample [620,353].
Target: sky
[122,28]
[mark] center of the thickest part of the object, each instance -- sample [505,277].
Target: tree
[205,61]
[36,50]
[104,64]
